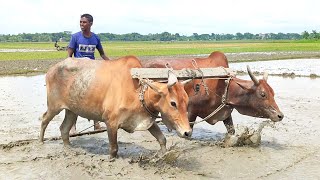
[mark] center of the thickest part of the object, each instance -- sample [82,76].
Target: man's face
[85,24]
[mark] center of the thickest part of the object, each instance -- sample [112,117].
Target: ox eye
[263,94]
[173,104]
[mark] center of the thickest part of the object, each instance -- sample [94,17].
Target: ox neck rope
[195,65]
[143,89]
[223,102]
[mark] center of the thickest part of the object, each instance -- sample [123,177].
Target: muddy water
[23,101]
[289,150]
[300,67]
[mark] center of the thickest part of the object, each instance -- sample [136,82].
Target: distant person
[84,44]
[56,45]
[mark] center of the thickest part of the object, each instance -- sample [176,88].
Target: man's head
[86,21]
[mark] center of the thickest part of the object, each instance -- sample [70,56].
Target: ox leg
[73,129]
[156,132]
[228,123]
[45,119]
[96,125]
[113,144]
[69,120]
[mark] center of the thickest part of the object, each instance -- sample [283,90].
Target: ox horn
[172,79]
[265,76]
[186,81]
[254,79]
[152,86]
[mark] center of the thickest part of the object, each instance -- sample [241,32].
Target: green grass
[118,49]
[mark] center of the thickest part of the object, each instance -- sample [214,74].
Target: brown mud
[287,150]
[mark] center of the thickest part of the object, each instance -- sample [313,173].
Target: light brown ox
[253,98]
[105,91]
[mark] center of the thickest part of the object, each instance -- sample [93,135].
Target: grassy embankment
[118,49]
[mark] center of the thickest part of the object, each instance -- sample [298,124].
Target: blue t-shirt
[84,46]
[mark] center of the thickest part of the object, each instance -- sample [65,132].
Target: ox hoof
[110,158]
[66,145]
[161,152]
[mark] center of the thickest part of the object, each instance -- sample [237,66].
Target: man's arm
[70,52]
[103,56]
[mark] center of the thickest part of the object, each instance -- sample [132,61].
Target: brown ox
[105,91]
[253,98]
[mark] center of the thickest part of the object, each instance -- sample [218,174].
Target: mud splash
[246,136]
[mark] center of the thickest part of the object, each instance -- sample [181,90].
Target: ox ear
[244,86]
[172,79]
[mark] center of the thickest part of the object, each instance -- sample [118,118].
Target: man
[83,44]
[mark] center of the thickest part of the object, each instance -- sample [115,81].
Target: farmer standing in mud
[83,44]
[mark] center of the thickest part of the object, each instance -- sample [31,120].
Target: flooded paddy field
[289,149]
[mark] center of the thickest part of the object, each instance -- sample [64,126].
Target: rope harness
[143,89]
[224,97]
[223,101]
[197,89]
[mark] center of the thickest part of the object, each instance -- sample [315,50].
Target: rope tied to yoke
[195,65]
[224,102]
[193,74]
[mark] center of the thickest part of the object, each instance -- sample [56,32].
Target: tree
[213,36]
[195,36]
[248,36]
[239,36]
[204,37]
[314,35]
[165,36]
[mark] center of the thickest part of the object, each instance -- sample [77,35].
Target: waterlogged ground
[297,67]
[289,150]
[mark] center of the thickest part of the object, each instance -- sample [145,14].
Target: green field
[118,49]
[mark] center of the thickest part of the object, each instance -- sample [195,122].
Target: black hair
[88,16]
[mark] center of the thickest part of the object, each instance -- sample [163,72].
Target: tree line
[164,36]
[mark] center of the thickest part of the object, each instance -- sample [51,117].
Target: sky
[156,16]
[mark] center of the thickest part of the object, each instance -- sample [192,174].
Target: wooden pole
[183,74]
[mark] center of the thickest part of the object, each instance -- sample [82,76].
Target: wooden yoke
[183,74]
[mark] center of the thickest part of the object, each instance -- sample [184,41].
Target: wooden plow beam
[183,74]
